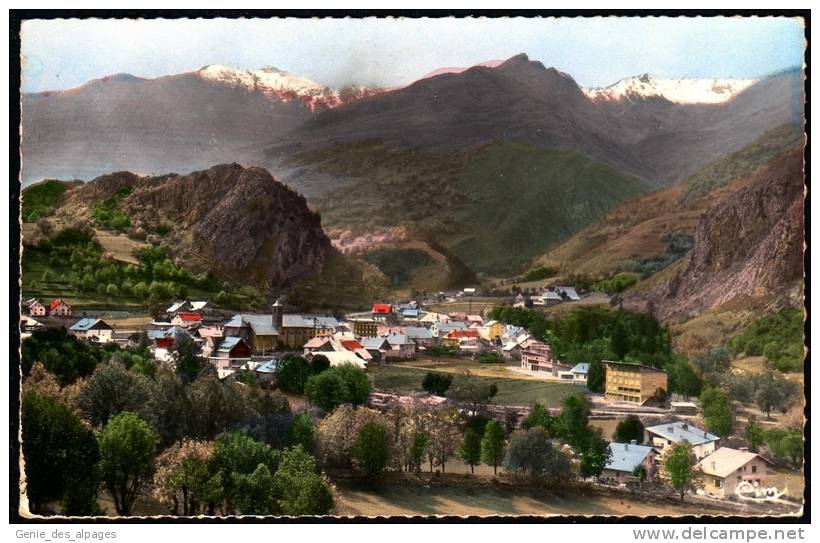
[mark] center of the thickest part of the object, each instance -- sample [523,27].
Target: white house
[90,329]
[662,435]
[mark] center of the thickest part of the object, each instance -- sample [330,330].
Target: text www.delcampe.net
[719,534]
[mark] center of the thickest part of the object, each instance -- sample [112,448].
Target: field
[512,389]
[119,246]
[487,501]
[473,305]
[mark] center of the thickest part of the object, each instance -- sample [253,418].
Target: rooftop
[677,432]
[725,461]
[627,456]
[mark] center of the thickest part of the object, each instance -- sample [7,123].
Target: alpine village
[584,312]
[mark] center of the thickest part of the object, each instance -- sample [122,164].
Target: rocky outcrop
[239,223]
[748,246]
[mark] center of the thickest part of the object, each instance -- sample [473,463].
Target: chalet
[165,341]
[382,311]
[567,293]
[89,329]
[186,319]
[547,297]
[376,346]
[491,330]
[340,358]
[318,345]
[265,372]
[409,313]
[580,372]
[186,307]
[662,435]
[400,347]
[35,308]
[422,336]
[441,329]
[521,301]
[726,468]
[625,459]
[633,383]
[231,353]
[59,308]
[475,319]
[536,356]
[364,327]
[29,325]
[455,338]
[432,317]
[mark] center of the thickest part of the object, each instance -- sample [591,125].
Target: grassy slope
[510,391]
[42,198]
[742,163]
[495,206]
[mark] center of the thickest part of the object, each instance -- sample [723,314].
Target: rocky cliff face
[748,246]
[236,222]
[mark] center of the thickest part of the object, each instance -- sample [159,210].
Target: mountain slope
[494,207]
[521,100]
[238,223]
[168,124]
[636,228]
[749,246]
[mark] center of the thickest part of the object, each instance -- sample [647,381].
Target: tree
[573,422]
[442,427]
[371,452]
[112,389]
[473,392]
[417,449]
[168,409]
[336,434]
[256,492]
[530,452]
[470,450]
[713,364]
[181,477]
[437,383]
[683,379]
[596,376]
[237,456]
[215,406]
[773,392]
[593,455]
[754,435]
[301,490]
[679,466]
[188,364]
[61,456]
[301,432]
[539,416]
[717,411]
[127,449]
[492,445]
[319,363]
[628,429]
[619,341]
[292,373]
[338,385]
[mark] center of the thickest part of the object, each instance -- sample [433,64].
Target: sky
[60,54]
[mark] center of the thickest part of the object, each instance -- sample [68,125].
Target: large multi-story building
[634,383]
[536,356]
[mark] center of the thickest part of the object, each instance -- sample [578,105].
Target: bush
[778,337]
[338,385]
[292,373]
[437,383]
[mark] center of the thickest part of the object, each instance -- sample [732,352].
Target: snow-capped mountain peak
[280,85]
[680,91]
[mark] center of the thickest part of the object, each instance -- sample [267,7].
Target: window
[754,469]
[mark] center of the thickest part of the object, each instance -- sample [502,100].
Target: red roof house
[463,334]
[351,345]
[382,309]
[60,308]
